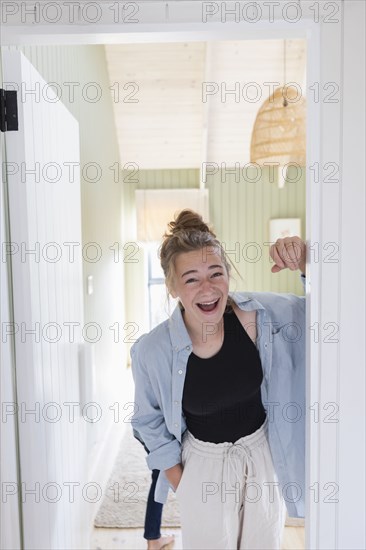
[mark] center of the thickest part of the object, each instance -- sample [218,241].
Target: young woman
[220,394]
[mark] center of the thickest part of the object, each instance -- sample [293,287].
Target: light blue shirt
[159,361]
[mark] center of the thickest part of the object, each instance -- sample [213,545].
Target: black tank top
[221,394]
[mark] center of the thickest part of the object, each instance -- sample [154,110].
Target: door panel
[42,161]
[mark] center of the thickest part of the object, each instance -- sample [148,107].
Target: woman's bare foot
[157,544]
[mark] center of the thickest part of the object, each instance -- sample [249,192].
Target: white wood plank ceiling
[164,118]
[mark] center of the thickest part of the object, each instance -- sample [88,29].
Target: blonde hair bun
[186,221]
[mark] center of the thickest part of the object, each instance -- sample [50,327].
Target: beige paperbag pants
[229,496]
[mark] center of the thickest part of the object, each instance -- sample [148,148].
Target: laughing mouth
[208,306]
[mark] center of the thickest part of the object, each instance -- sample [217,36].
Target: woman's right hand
[289,252]
[174,474]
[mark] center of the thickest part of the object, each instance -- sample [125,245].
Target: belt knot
[234,455]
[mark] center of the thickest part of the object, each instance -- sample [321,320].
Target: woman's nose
[206,284]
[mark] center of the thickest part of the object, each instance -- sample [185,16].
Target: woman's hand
[174,474]
[288,252]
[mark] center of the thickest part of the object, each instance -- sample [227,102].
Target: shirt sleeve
[148,419]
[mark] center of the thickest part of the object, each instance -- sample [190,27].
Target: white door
[42,164]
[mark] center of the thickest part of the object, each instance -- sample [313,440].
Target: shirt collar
[178,332]
[246,301]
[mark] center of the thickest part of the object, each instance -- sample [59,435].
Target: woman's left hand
[288,252]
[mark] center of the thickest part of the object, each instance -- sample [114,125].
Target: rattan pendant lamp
[279,133]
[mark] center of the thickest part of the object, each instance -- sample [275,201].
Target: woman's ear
[172,293]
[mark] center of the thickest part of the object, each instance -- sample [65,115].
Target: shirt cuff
[166,456]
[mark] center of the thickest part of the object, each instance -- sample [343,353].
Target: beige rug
[125,497]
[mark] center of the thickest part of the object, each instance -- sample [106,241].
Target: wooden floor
[132,539]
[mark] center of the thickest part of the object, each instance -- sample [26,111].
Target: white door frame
[171,21]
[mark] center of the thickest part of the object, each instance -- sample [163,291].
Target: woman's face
[201,282]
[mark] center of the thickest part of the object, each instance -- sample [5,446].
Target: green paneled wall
[240,212]
[165,179]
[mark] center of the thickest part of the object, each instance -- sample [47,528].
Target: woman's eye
[193,280]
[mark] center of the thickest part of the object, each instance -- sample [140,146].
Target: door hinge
[8,110]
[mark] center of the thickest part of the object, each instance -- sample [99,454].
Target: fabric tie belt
[238,459]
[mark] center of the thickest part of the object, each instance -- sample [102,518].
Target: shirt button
[176,402]
[176,425]
[188,348]
[180,372]
[266,345]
